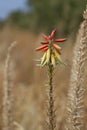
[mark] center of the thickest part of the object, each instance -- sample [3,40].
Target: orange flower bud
[56,47]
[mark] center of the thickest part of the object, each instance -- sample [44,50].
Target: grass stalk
[75,104]
[8,96]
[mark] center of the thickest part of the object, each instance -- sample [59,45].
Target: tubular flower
[51,50]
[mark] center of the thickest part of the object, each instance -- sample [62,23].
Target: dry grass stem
[18,126]
[75,105]
[8,96]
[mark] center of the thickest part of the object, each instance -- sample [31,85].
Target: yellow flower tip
[48,55]
[43,60]
[53,60]
[57,57]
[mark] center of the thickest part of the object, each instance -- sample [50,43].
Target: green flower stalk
[50,58]
[51,108]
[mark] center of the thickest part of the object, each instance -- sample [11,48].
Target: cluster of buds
[52,51]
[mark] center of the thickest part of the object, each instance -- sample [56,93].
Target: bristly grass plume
[75,104]
[50,58]
[8,96]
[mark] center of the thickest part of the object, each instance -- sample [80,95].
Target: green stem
[51,111]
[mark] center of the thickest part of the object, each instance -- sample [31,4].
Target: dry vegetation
[29,89]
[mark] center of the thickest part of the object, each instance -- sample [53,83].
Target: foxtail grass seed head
[51,50]
[8,95]
[75,103]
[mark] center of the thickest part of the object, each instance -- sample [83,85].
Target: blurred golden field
[30,91]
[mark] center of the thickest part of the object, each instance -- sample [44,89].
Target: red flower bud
[45,49]
[44,43]
[45,37]
[41,48]
[52,34]
[60,40]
